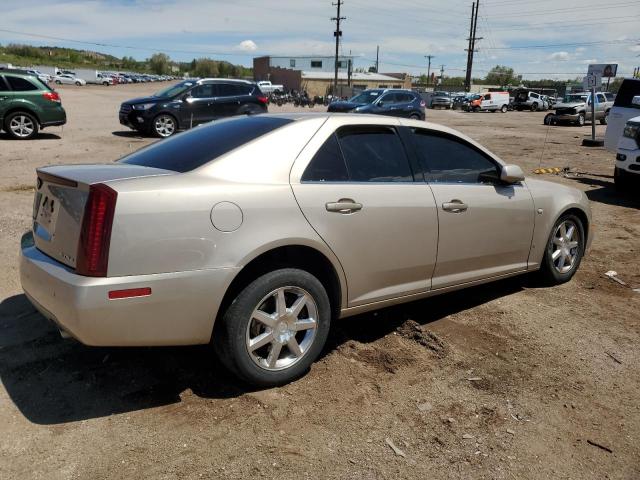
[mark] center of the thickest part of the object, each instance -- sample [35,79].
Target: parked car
[27,105]
[268,88]
[68,79]
[254,233]
[527,100]
[191,103]
[440,100]
[489,102]
[627,170]
[576,108]
[43,77]
[625,106]
[460,102]
[381,101]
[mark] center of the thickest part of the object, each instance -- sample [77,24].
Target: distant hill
[27,55]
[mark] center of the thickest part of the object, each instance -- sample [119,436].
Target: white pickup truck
[267,87]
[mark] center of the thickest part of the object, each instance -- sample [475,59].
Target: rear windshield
[189,150]
[630,88]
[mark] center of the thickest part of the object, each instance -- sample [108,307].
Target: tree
[159,63]
[205,67]
[501,75]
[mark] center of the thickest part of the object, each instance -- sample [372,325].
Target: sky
[541,39]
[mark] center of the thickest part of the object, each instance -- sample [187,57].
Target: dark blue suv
[381,101]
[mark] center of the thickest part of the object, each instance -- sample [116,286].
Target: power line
[534,13]
[604,21]
[554,45]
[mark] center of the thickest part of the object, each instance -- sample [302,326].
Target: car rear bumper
[180,310]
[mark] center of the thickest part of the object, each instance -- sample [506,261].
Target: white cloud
[559,57]
[248,46]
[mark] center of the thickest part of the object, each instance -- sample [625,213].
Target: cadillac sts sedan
[255,233]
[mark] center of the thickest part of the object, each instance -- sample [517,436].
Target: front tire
[564,250]
[164,125]
[581,120]
[21,126]
[79,84]
[275,328]
[534,107]
[621,180]
[604,120]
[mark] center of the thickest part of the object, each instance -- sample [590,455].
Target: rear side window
[374,154]
[327,165]
[630,88]
[449,160]
[19,84]
[3,85]
[194,148]
[360,154]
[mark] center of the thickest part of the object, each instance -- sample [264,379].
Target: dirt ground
[503,381]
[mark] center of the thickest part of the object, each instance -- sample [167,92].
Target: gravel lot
[506,380]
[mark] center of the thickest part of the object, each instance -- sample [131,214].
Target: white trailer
[93,76]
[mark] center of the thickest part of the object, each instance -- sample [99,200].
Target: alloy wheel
[164,125]
[21,126]
[565,246]
[282,328]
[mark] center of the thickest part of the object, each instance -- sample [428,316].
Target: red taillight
[52,96]
[263,99]
[95,235]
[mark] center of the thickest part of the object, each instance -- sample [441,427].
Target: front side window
[19,84]
[450,160]
[204,91]
[3,86]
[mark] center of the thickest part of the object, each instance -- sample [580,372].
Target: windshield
[575,98]
[174,90]
[366,97]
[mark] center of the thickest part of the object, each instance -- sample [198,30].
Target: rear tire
[21,126]
[564,250]
[261,337]
[534,107]
[604,120]
[79,84]
[414,116]
[504,109]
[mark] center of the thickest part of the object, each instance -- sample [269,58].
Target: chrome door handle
[455,206]
[344,205]
[3,98]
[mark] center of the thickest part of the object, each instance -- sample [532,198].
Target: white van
[494,101]
[625,107]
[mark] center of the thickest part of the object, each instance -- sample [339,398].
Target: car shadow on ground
[127,134]
[605,192]
[40,136]
[52,380]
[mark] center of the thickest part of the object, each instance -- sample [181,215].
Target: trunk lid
[60,199]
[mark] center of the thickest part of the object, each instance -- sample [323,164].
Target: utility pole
[429,57]
[441,74]
[475,7]
[337,34]
[377,57]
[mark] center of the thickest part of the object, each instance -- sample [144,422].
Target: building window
[342,64]
[292,63]
[316,63]
[397,86]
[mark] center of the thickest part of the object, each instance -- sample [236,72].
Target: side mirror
[635,101]
[381,103]
[511,174]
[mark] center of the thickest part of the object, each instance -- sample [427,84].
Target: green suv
[27,105]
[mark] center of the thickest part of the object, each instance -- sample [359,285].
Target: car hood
[569,104]
[152,99]
[344,106]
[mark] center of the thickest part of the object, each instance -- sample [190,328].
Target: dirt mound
[412,330]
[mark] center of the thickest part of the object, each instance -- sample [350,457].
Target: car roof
[16,71]
[225,80]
